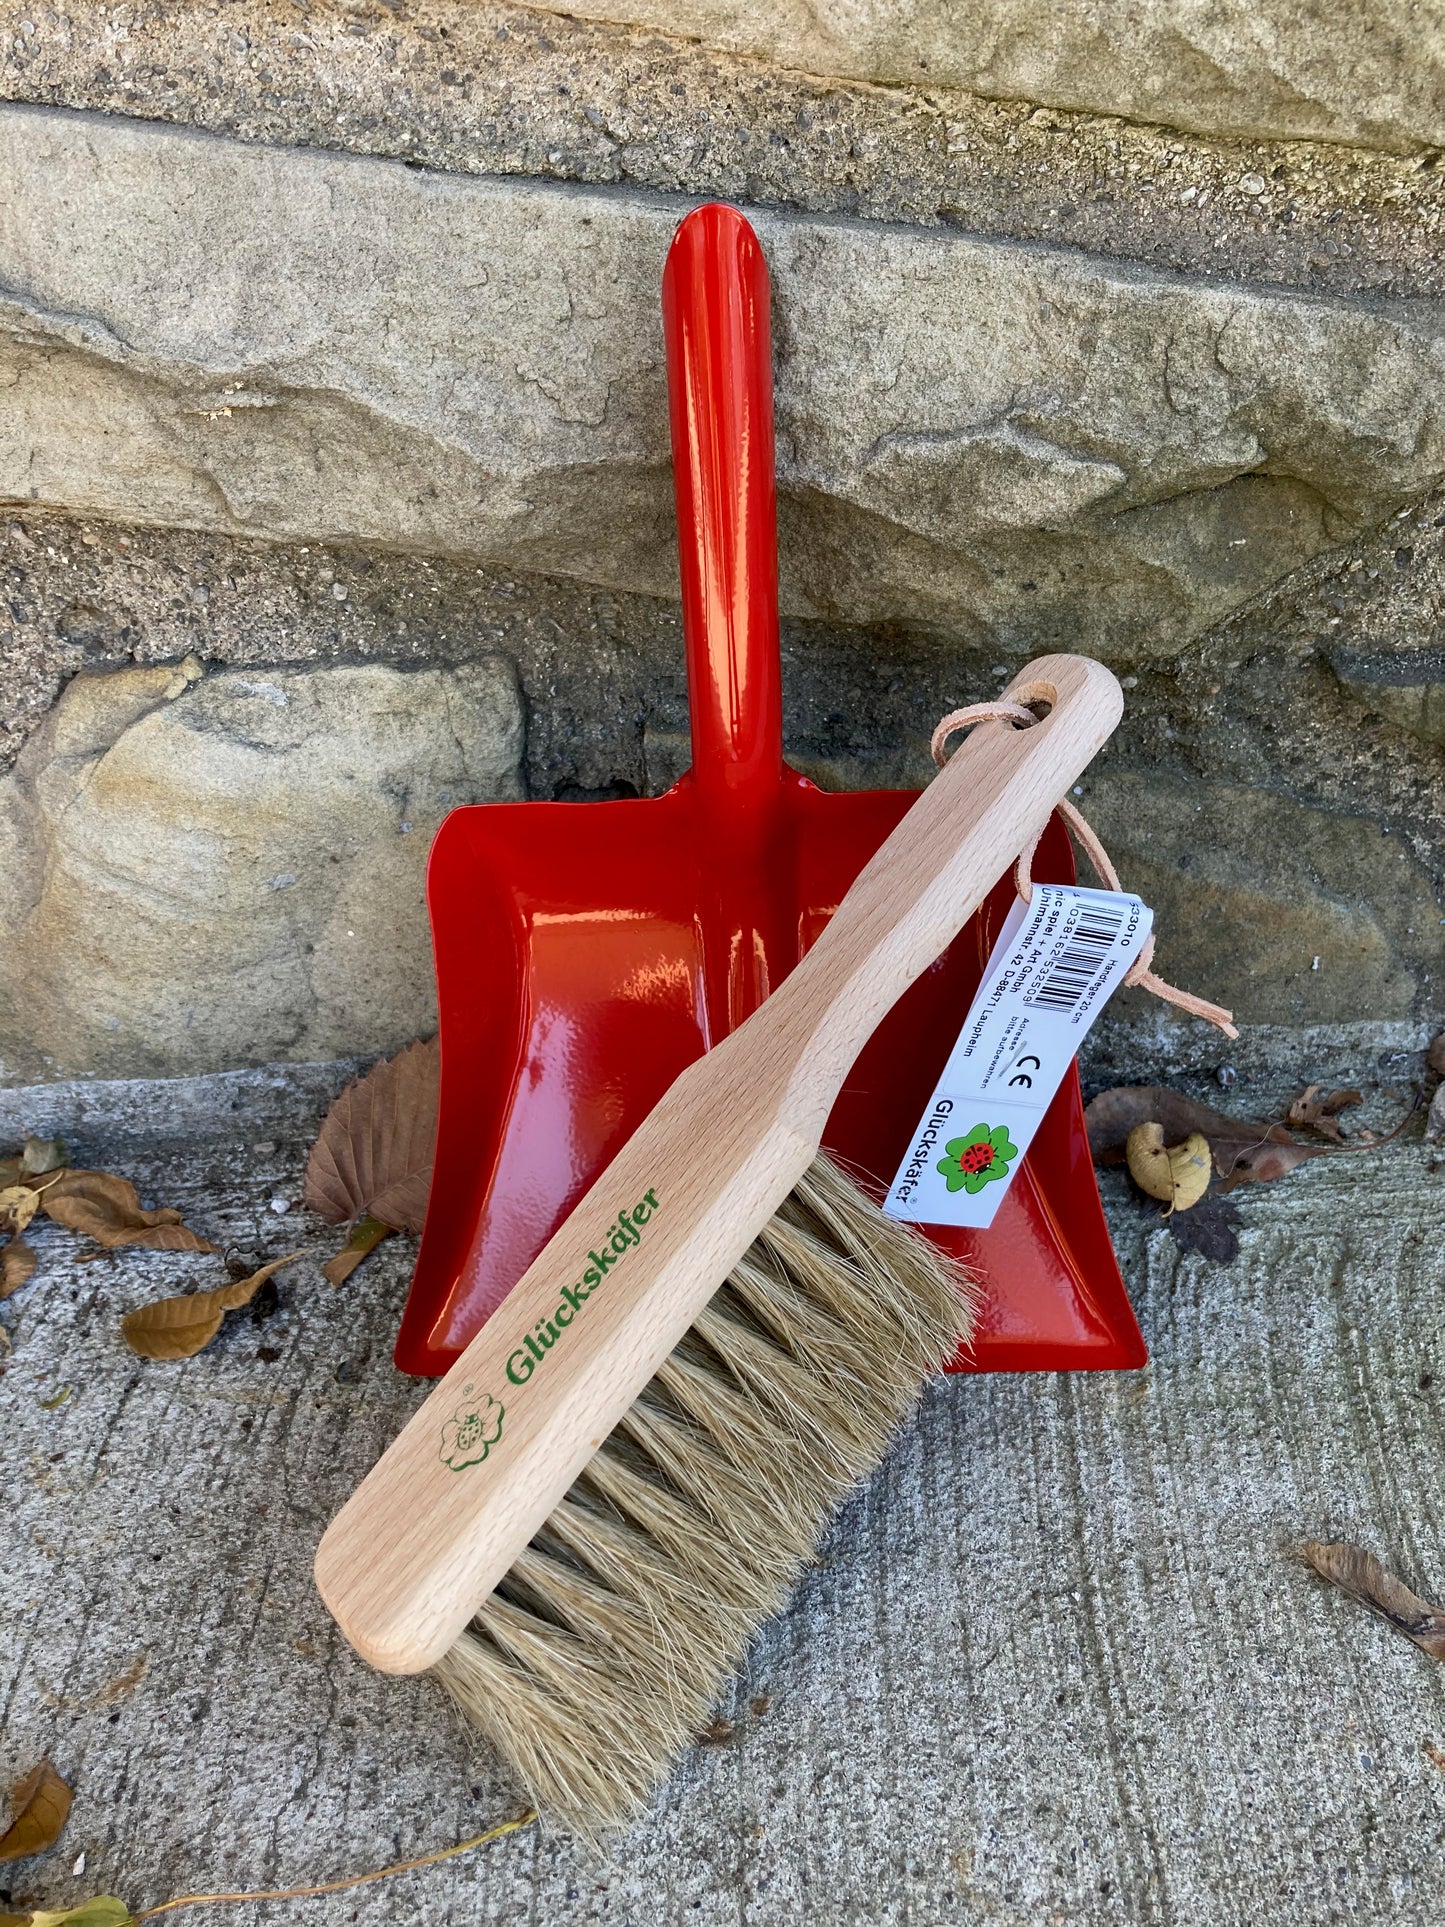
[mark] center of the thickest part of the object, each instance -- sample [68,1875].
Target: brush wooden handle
[456,1498]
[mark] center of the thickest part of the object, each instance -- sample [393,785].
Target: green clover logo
[472,1431]
[979,1158]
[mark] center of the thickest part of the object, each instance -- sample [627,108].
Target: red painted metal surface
[587,952]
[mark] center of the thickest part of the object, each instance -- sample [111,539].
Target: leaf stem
[352,1880]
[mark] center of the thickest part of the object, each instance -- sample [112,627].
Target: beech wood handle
[472,1477]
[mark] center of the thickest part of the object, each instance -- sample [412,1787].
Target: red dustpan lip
[755,858]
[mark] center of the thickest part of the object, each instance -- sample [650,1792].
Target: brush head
[602,1651]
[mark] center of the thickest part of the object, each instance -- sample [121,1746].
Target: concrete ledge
[1054,1664]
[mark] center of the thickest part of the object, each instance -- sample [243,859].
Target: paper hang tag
[1058,960]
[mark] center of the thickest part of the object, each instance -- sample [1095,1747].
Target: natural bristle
[604,1649]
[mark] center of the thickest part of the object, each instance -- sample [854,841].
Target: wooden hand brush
[627,1469]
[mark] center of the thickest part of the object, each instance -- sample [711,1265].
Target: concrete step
[1056,1663]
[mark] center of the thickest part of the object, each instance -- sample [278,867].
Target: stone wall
[333,444]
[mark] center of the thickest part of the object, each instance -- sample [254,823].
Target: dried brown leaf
[1276,1157]
[373,1155]
[1114,1114]
[182,1326]
[1245,1150]
[1281,1153]
[17,1266]
[108,1209]
[362,1242]
[1360,1574]
[1312,1111]
[1435,1056]
[1177,1175]
[41,1802]
[18,1205]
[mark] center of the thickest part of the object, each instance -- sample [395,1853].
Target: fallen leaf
[1211,1229]
[19,1204]
[1262,1163]
[364,1239]
[41,1802]
[54,1404]
[1245,1150]
[1360,1574]
[108,1209]
[17,1266]
[1177,1175]
[182,1326]
[40,1155]
[1435,1056]
[103,1911]
[1113,1115]
[1312,1112]
[373,1154]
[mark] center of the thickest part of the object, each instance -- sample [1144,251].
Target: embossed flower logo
[976,1160]
[473,1429]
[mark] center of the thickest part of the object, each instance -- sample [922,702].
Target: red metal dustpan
[587,952]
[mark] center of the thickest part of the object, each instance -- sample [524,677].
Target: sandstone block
[1372,72]
[1287,914]
[205,871]
[1013,445]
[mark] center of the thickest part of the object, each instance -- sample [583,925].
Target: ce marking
[1022,1067]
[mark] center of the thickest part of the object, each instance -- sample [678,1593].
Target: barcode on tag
[1075,968]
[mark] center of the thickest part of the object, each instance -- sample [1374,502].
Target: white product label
[1058,960]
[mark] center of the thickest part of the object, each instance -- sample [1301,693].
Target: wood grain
[425,1539]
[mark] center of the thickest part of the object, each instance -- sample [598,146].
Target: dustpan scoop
[586,953]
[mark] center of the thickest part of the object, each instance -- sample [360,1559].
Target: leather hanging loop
[1139,972]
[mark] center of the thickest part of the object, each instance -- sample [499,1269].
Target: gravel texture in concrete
[1056,1663]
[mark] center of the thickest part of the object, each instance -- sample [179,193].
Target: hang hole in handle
[715,299]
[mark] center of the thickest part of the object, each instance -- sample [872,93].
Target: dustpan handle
[720,393]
